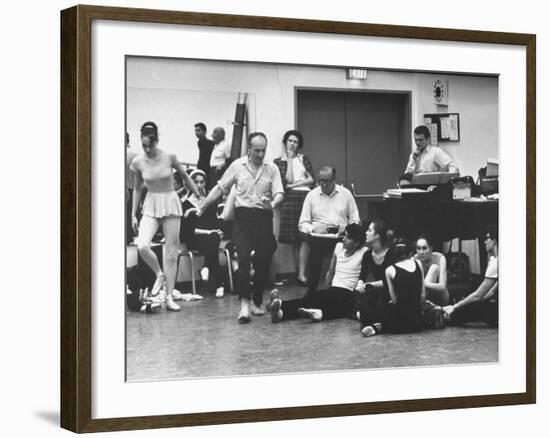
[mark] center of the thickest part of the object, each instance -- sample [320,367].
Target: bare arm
[306,182]
[491,292]
[188,181]
[423,291]
[376,284]
[136,195]
[330,272]
[277,199]
[480,294]
[390,273]
[214,194]
[441,284]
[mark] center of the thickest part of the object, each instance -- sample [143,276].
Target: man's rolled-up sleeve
[228,178]
[305,224]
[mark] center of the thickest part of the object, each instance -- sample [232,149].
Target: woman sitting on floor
[337,301]
[374,294]
[435,271]
[203,234]
[407,292]
[482,304]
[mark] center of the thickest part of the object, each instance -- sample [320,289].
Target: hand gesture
[320,229]
[193,210]
[219,232]
[448,309]
[266,202]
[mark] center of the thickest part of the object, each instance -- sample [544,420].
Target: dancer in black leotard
[405,279]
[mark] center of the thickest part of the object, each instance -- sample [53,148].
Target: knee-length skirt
[291,209]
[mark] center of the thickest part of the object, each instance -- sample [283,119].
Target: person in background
[258,190]
[221,155]
[129,188]
[205,146]
[161,207]
[203,233]
[482,304]
[297,175]
[435,270]
[426,158]
[405,280]
[337,301]
[327,210]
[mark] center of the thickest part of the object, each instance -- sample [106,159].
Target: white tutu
[163,204]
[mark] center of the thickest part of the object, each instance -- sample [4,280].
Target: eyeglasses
[325,181]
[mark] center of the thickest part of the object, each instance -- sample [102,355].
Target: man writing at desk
[426,158]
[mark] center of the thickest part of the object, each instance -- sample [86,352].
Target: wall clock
[441,92]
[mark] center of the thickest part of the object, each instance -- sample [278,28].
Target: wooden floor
[205,340]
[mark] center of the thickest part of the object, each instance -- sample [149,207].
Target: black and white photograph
[296,218]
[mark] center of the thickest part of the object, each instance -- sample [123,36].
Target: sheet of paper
[445,127]
[453,121]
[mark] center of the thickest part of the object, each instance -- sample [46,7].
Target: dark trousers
[253,231]
[481,311]
[208,245]
[372,305]
[375,307]
[335,302]
[319,249]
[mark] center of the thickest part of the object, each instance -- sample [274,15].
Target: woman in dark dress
[203,234]
[405,280]
[373,294]
[297,177]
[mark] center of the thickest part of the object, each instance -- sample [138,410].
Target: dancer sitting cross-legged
[405,280]
[338,300]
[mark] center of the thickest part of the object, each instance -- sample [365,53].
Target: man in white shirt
[326,212]
[220,156]
[258,190]
[426,158]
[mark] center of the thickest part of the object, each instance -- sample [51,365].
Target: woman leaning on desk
[297,177]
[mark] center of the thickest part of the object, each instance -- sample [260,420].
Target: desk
[443,219]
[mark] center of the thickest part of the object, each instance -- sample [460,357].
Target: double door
[366,135]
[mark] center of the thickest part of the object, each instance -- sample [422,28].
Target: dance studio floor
[205,340]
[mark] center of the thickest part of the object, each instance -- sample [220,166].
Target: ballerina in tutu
[162,206]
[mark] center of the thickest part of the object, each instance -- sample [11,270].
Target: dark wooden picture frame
[76,222]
